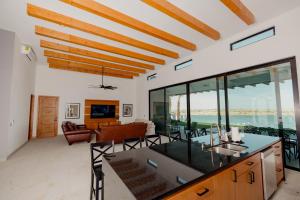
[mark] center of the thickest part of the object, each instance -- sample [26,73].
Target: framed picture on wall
[72,111]
[127,110]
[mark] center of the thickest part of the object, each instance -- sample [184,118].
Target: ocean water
[258,120]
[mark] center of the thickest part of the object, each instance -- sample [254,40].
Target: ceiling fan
[102,86]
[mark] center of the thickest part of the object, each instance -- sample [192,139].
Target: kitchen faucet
[211,133]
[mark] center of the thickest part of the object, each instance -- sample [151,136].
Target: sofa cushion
[71,126]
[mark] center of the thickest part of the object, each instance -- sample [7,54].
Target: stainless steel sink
[233,147]
[223,151]
[228,149]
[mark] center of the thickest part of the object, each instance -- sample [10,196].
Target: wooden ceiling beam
[58,55]
[93,44]
[60,19]
[78,69]
[71,64]
[183,17]
[116,16]
[238,8]
[92,54]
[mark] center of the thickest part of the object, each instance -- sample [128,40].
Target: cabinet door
[242,187]
[225,184]
[256,188]
[278,159]
[249,184]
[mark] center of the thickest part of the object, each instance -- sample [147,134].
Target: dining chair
[132,143]
[98,150]
[152,140]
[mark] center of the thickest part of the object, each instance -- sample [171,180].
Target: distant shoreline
[239,112]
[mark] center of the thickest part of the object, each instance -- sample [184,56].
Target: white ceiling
[13,17]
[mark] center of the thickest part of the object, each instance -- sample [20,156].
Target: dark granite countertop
[199,158]
[194,161]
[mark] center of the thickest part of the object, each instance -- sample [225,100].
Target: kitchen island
[190,170]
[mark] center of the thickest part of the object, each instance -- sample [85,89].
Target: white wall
[218,58]
[72,87]
[23,79]
[16,86]
[6,62]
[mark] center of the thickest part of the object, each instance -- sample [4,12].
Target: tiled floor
[290,189]
[49,169]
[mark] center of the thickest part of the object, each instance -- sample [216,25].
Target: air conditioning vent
[28,52]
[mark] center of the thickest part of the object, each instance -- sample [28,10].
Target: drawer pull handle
[277,155]
[234,176]
[206,190]
[277,147]
[250,163]
[250,178]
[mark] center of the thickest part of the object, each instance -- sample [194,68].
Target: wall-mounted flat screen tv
[103,111]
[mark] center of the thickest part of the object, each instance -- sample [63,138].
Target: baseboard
[3,159]
[12,153]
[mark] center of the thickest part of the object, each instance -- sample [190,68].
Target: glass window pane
[176,108]
[157,110]
[222,114]
[287,119]
[261,101]
[183,65]
[253,39]
[203,105]
[252,100]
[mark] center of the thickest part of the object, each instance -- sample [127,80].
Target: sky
[260,97]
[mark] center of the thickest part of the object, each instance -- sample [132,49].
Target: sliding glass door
[259,100]
[207,105]
[252,101]
[176,109]
[157,109]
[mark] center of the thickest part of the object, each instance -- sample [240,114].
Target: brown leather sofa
[120,132]
[76,133]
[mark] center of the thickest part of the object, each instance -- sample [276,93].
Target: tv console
[94,123]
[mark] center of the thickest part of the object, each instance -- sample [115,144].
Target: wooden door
[47,116]
[31,114]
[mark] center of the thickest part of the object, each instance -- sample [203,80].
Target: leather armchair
[75,133]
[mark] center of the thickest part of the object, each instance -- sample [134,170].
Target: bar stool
[174,136]
[152,140]
[131,143]
[98,150]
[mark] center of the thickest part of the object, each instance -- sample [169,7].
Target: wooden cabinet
[225,185]
[199,191]
[242,181]
[278,160]
[249,184]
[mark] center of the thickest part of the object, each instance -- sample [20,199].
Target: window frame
[251,36]
[151,77]
[178,65]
